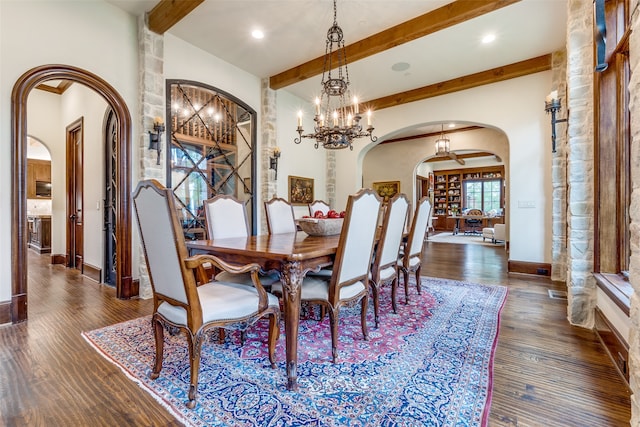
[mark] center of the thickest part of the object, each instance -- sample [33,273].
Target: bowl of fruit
[322,225]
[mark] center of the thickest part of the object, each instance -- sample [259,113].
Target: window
[485,195]
[612,144]
[210,151]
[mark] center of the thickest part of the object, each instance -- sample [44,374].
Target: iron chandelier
[336,122]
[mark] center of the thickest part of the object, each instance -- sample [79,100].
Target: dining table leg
[292,276]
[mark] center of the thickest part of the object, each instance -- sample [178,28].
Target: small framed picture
[386,189]
[300,190]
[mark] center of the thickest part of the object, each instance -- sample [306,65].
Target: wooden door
[75,231]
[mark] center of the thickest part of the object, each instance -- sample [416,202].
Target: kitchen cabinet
[40,233]
[38,179]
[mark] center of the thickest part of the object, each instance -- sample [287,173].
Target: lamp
[273,161]
[154,137]
[442,144]
[337,123]
[552,105]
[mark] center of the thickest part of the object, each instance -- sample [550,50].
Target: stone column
[331,180]
[559,173]
[634,213]
[580,282]
[152,105]
[268,121]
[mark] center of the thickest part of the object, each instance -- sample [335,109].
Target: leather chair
[385,265]
[472,224]
[178,302]
[348,283]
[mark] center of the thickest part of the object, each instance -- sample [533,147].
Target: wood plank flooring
[546,373]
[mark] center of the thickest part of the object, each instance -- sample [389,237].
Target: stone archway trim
[125,286]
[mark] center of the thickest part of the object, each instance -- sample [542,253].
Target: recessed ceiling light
[488,38]
[257,34]
[400,66]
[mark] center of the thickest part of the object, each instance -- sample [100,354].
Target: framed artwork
[386,189]
[300,190]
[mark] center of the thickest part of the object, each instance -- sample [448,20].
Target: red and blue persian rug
[429,365]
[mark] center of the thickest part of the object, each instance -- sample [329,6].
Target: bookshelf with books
[448,192]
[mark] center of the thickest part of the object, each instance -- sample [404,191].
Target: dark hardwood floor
[546,372]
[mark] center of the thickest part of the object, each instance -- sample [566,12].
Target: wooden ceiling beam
[167,13]
[506,72]
[444,17]
[460,156]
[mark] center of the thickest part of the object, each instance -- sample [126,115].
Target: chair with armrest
[385,265]
[226,217]
[496,233]
[178,301]
[410,260]
[319,205]
[472,224]
[280,217]
[349,280]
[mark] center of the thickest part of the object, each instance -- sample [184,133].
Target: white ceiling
[295,32]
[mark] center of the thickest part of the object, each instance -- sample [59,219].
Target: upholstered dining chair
[226,217]
[385,265]
[319,205]
[349,280]
[410,260]
[280,217]
[178,302]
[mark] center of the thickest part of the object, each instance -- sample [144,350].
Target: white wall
[298,159]
[94,36]
[399,161]
[515,107]
[80,101]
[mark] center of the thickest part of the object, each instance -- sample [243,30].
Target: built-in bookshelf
[448,190]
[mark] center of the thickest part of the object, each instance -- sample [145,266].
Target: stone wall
[580,157]
[559,173]
[634,270]
[268,110]
[152,105]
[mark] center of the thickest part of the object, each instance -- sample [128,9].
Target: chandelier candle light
[337,122]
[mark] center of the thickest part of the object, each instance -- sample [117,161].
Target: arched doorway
[125,287]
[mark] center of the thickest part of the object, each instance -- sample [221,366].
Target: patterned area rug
[429,365]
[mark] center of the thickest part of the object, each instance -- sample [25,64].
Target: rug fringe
[129,375]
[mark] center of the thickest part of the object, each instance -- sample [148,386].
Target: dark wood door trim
[74,182]
[125,287]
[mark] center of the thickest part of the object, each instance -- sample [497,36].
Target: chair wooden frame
[224,198]
[384,270]
[179,306]
[319,205]
[365,201]
[411,259]
[280,224]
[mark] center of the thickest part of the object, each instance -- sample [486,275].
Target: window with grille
[211,139]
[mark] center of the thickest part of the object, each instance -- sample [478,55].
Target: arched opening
[125,287]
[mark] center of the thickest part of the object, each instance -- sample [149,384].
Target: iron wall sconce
[156,136]
[273,161]
[552,105]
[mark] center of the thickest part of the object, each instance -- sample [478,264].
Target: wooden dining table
[293,255]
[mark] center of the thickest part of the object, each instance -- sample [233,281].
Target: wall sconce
[552,105]
[273,161]
[155,136]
